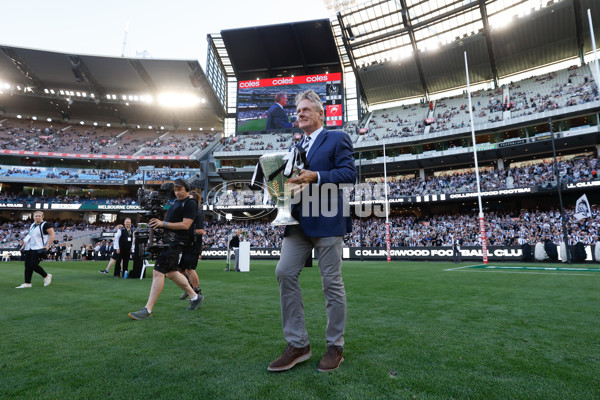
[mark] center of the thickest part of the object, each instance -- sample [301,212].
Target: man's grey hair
[312,97]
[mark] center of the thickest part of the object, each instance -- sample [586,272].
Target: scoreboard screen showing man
[256,97]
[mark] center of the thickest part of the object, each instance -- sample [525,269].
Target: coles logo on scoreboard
[293,80]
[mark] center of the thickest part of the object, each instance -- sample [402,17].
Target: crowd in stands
[39,136]
[570,170]
[502,229]
[255,142]
[532,174]
[554,90]
[565,88]
[66,230]
[177,144]
[73,173]
[10,197]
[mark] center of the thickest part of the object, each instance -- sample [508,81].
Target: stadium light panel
[46,91]
[51,91]
[149,126]
[162,128]
[95,124]
[49,119]
[108,125]
[34,118]
[19,116]
[81,122]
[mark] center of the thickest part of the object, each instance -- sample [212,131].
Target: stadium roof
[120,90]
[406,48]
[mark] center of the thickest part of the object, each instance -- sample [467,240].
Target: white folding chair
[144,265]
[6,256]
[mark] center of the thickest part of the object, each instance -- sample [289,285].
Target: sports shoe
[23,286]
[142,314]
[331,360]
[103,271]
[290,357]
[48,280]
[185,295]
[195,303]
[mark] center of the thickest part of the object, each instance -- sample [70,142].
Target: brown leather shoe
[331,360]
[290,357]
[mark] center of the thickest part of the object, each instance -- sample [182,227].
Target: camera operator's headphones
[182,183]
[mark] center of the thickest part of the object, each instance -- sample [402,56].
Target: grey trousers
[296,248]
[236,253]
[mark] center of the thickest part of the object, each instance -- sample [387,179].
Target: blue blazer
[277,118]
[332,156]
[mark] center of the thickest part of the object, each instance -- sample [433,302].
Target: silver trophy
[278,188]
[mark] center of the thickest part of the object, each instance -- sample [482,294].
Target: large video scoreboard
[256,96]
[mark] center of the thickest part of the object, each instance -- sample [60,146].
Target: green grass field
[253,125]
[414,331]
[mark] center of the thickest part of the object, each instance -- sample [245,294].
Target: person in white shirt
[35,245]
[113,254]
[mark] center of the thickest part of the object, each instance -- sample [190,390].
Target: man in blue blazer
[324,220]
[276,116]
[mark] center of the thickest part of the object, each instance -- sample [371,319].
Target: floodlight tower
[125,39]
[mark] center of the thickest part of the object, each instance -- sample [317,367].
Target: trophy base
[286,220]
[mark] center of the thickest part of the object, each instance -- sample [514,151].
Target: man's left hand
[305,178]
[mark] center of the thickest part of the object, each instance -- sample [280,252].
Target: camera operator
[189,258]
[177,225]
[35,247]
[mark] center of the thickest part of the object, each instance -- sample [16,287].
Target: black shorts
[168,260]
[189,260]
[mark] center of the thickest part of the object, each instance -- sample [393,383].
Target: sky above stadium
[174,29]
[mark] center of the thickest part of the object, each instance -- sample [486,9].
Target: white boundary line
[500,271]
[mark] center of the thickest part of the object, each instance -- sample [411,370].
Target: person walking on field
[322,227]
[35,247]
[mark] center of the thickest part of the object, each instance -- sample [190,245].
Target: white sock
[194,298]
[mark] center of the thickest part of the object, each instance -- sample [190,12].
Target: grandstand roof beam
[579,29]
[488,41]
[31,78]
[413,42]
[78,65]
[141,71]
[412,27]
[345,40]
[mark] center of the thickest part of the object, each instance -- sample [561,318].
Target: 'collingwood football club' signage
[495,253]
[468,253]
[580,185]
